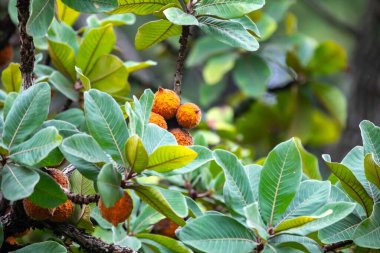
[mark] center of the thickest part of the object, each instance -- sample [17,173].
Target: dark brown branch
[82,199]
[332,247]
[181,59]
[331,18]
[27,45]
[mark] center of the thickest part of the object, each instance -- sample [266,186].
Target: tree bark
[364,99]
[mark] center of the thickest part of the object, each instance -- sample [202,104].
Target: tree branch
[82,199]
[27,45]
[330,18]
[332,247]
[181,59]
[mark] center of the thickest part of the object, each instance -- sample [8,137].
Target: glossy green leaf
[133,66]
[109,180]
[28,112]
[92,6]
[169,243]
[155,136]
[179,17]
[154,32]
[17,182]
[97,42]
[84,79]
[64,128]
[41,16]
[108,74]
[106,123]
[153,197]
[253,171]
[351,185]
[367,233]
[371,139]
[309,162]
[294,242]
[248,24]
[293,223]
[8,103]
[63,58]
[66,14]
[237,191]
[217,67]
[43,247]
[64,85]
[252,75]
[217,233]
[47,193]
[279,181]
[141,7]
[136,154]
[372,170]
[36,148]
[227,9]
[147,216]
[11,78]
[229,32]
[340,231]
[254,221]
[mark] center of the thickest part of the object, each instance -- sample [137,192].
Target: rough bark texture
[181,59]
[364,100]
[26,45]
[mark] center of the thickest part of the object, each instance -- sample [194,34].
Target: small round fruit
[63,212]
[165,227]
[158,120]
[59,177]
[35,212]
[189,115]
[119,212]
[6,55]
[166,103]
[182,136]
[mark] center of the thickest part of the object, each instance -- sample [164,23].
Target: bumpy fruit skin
[63,212]
[182,136]
[119,212]
[189,115]
[165,227]
[166,103]
[158,120]
[6,55]
[58,214]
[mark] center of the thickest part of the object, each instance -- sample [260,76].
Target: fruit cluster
[58,214]
[168,113]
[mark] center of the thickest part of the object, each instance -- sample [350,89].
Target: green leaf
[294,242]
[254,171]
[17,182]
[309,162]
[367,233]
[153,197]
[168,158]
[8,104]
[60,32]
[106,123]
[63,58]
[179,17]
[109,180]
[66,14]
[108,74]
[64,128]
[28,112]
[237,191]
[169,243]
[371,139]
[229,32]
[85,154]
[136,154]
[227,9]
[84,79]
[217,233]
[340,231]
[141,7]
[41,16]
[336,212]
[154,32]
[118,20]
[63,85]
[293,223]
[133,66]
[218,66]
[155,136]
[43,247]
[147,216]
[253,217]
[11,78]
[249,25]
[351,185]
[311,195]
[97,42]
[252,75]
[91,6]
[37,147]
[372,170]
[329,57]
[279,181]
[47,193]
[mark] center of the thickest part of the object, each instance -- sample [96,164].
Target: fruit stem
[26,45]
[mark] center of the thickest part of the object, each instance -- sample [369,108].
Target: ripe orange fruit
[166,103]
[119,212]
[63,212]
[165,227]
[189,115]
[6,55]
[158,120]
[59,177]
[182,136]
[35,212]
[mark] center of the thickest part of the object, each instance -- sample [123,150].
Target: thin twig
[26,45]
[82,199]
[181,59]
[332,247]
